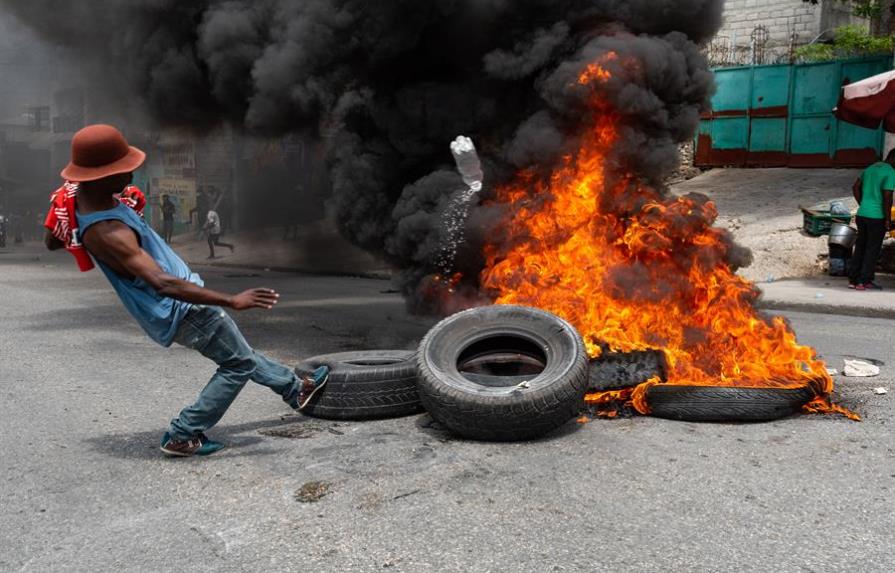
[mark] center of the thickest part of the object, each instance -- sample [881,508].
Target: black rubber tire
[725,404]
[616,370]
[485,411]
[364,385]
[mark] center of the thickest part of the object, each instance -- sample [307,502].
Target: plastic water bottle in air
[468,163]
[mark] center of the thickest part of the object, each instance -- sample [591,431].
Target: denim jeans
[211,331]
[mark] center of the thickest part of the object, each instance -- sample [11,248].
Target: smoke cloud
[388,85]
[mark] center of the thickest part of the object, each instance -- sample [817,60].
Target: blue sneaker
[310,386]
[197,446]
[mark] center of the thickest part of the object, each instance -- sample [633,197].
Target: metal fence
[724,51]
[781,115]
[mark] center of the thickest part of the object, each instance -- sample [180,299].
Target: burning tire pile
[498,373]
[637,381]
[509,372]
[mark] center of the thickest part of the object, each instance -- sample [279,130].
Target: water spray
[454,219]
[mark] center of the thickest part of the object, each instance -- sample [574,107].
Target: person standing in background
[201,209]
[29,231]
[168,210]
[17,229]
[39,230]
[873,192]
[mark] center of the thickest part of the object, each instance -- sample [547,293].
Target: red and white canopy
[869,102]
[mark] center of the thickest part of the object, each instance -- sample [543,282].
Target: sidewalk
[760,207]
[829,295]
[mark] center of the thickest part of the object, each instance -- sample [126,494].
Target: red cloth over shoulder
[133,198]
[61,220]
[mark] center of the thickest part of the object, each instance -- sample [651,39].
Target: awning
[869,102]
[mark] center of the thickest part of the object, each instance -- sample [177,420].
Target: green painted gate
[781,115]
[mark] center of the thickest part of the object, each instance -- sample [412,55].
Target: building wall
[835,14]
[782,18]
[789,25]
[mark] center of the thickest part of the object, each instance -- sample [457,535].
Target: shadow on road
[430,427]
[96,318]
[145,445]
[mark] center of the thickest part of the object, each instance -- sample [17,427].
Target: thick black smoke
[389,84]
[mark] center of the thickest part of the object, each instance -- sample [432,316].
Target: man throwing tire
[167,299]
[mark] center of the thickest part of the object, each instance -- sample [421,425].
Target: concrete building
[765,31]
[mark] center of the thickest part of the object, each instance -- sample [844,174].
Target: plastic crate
[817,223]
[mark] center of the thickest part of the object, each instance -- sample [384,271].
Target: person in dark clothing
[873,192]
[16,223]
[168,210]
[201,209]
[29,231]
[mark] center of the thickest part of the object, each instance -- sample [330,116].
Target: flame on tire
[637,269]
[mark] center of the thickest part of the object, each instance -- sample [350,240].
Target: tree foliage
[848,41]
[865,8]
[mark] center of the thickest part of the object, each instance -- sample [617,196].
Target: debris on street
[294,431]
[312,491]
[859,369]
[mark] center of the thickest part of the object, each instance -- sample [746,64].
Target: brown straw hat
[98,151]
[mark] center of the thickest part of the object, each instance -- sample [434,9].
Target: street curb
[376,275]
[859,311]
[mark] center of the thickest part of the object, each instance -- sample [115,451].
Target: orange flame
[635,269]
[595,72]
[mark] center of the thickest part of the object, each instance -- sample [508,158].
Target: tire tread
[487,418]
[364,392]
[725,404]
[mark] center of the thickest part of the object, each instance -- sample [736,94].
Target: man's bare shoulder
[110,235]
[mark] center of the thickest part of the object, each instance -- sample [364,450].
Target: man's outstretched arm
[115,244]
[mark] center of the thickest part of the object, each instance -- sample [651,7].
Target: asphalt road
[83,487]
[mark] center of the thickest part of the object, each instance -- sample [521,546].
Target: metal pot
[843,235]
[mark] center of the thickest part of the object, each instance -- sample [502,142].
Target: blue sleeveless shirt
[159,316]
